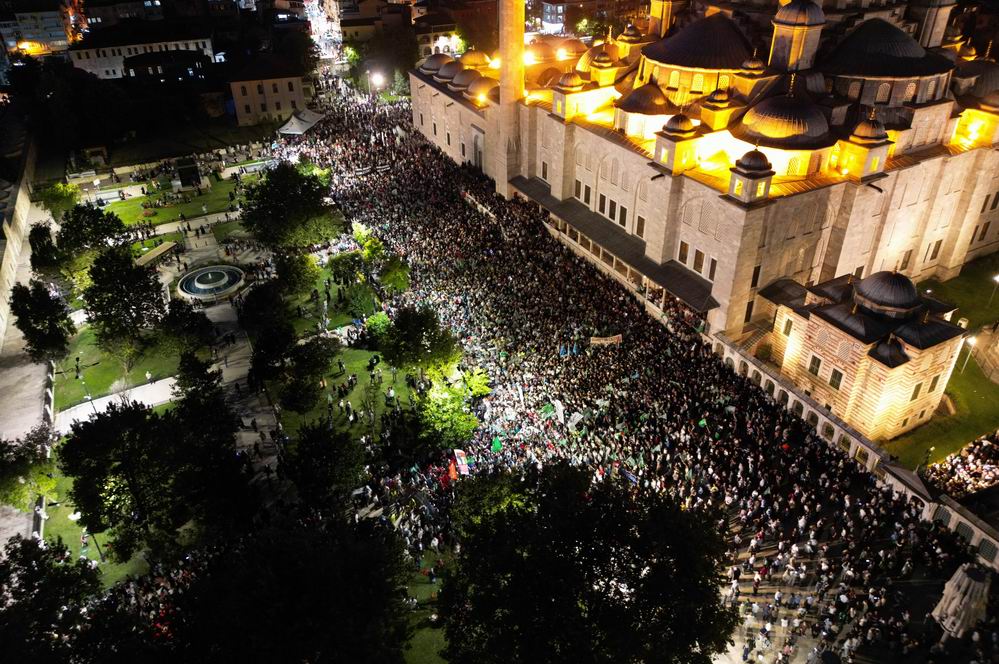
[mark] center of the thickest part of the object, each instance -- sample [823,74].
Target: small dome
[630,34]
[719,97]
[890,294]
[473,58]
[968,51]
[570,81]
[784,121]
[754,161]
[435,62]
[480,88]
[603,59]
[463,79]
[448,71]
[646,100]
[588,58]
[800,13]
[679,125]
[540,52]
[548,77]
[573,46]
[754,64]
[870,130]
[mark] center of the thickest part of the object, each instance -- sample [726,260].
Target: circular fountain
[212,282]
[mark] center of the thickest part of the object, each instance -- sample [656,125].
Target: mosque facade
[733,147]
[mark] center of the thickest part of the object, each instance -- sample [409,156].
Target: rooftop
[265,67]
[130,32]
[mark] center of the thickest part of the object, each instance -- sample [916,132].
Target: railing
[942,509]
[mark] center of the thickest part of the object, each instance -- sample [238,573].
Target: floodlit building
[738,144]
[39,27]
[103,52]
[268,89]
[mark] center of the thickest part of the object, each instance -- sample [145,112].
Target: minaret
[506,148]
[662,15]
[797,28]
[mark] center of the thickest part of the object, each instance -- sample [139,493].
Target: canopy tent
[964,600]
[300,122]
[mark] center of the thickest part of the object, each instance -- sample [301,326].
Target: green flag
[497,444]
[702,423]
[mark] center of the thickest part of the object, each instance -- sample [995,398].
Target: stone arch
[729,363]
[782,397]
[743,368]
[812,418]
[757,377]
[770,387]
[798,408]
[828,431]
[720,349]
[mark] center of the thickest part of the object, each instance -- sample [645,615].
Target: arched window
[674,79]
[723,82]
[931,90]
[614,172]
[579,155]
[793,166]
[884,92]
[854,91]
[697,85]
[910,91]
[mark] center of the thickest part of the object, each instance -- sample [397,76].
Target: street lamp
[971,344]
[995,278]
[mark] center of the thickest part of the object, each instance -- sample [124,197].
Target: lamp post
[971,344]
[995,279]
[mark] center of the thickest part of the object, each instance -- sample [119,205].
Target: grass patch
[362,396]
[338,316]
[143,246]
[211,201]
[976,400]
[59,525]
[105,376]
[970,291]
[229,229]
[427,640]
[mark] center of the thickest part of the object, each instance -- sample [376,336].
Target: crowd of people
[974,468]
[659,409]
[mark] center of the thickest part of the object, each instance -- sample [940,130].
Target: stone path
[151,394]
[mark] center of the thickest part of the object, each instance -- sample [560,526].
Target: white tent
[300,122]
[964,599]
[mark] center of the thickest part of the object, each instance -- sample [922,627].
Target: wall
[15,235]
[108,62]
[257,101]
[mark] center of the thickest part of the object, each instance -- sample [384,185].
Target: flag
[702,423]
[452,471]
[497,444]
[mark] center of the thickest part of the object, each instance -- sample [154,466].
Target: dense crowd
[972,469]
[816,544]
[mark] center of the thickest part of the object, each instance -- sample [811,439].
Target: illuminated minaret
[506,148]
[662,15]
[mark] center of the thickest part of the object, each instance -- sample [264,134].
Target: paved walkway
[151,394]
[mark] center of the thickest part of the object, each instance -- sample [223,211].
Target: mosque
[761,163]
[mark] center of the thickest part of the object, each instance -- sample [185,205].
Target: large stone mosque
[789,171]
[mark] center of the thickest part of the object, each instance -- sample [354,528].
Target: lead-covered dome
[630,35]
[435,62]
[715,42]
[480,88]
[753,161]
[869,130]
[878,48]
[800,13]
[645,100]
[473,58]
[448,71]
[463,79]
[679,125]
[785,121]
[570,81]
[890,294]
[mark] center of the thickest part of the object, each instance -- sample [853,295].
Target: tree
[195,376]
[297,273]
[45,256]
[476,382]
[326,595]
[417,341]
[122,300]
[400,84]
[288,209]
[325,466]
[377,326]
[44,319]
[555,568]
[44,591]
[185,328]
[358,300]
[373,250]
[314,358]
[58,198]
[394,275]
[26,469]
[445,419]
[345,267]
[86,227]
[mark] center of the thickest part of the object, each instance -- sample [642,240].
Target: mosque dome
[549,77]
[967,51]
[714,43]
[754,161]
[473,58]
[645,100]
[784,121]
[869,130]
[878,48]
[719,97]
[448,71]
[570,81]
[800,13]
[753,64]
[573,46]
[630,34]
[890,294]
[435,62]
[463,79]
[481,87]
[679,125]
[602,59]
[585,62]
[540,51]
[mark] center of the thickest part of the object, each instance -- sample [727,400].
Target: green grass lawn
[970,291]
[214,200]
[100,377]
[141,247]
[338,316]
[229,229]
[59,525]
[427,641]
[356,361]
[976,400]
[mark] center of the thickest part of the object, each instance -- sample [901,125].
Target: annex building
[734,145]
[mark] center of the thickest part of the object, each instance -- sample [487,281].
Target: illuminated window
[875,162]
[931,89]
[737,187]
[761,189]
[723,82]
[884,92]
[640,227]
[814,365]
[697,85]
[835,378]
[674,79]
[910,92]
[698,260]
[788,326]
[682,256]
[711,269]
[664,154]
[915,391]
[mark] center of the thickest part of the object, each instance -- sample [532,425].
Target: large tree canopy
[26,469]
[417,340]
[554,568]
[86,227]
[325,466]
[43,318]
[288,209]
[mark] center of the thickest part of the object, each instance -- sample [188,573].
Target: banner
[462,461]
[605,341]
[559,411]
[497,444]
[574,420]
